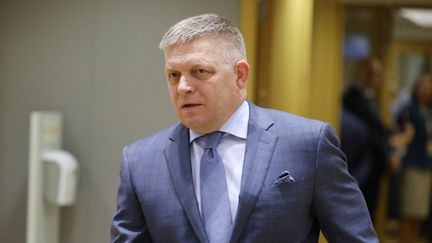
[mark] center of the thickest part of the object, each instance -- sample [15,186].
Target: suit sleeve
[338,202]
[128,223]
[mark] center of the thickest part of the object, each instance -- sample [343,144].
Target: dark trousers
[371,191]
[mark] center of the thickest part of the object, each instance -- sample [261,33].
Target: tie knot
[212,139]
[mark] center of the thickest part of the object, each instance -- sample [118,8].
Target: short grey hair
[206,25]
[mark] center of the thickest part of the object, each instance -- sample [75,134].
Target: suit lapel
[260,145]
[179,165]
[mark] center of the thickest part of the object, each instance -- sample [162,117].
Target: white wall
[98,62]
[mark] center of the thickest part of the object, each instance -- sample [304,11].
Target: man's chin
[198,126]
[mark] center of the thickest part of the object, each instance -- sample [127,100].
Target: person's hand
[409,132]
[394,163]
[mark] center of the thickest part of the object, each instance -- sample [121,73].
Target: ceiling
[402,28]
[405,29]
[425,3]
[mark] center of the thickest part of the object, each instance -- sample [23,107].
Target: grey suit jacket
[156,199]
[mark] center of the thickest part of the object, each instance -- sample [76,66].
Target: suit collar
[177,156]
[259,117]
[260,145]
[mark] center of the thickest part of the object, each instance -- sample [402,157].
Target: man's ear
[242,72]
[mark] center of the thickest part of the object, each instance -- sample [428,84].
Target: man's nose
[185,85]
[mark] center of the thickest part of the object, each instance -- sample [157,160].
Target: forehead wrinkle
[174,62]
[201,51]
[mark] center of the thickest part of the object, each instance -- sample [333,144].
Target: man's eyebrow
[201,64]
[168,67]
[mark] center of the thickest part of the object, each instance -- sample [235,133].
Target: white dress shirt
[231,149]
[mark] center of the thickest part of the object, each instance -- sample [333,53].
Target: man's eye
[173,77]
[201,73]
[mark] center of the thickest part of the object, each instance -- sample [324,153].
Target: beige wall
[98,63]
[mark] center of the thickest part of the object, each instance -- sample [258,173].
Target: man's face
[373,73]
[425,89]
[204,89]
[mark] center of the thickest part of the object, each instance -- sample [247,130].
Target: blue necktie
[215,204]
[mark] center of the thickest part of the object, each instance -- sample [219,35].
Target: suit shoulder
[300,132]
[152,143]
[284,120]
[290,126]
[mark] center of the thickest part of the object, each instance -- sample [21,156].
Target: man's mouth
[190,105]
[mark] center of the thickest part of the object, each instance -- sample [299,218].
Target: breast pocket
[284,208]
[282,195]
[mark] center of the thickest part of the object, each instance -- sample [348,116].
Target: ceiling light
[420,17]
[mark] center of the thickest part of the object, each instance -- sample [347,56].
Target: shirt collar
[236,125]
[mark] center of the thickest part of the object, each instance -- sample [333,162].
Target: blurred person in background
[417,162]
[359,99]
[354,144]
[401,135]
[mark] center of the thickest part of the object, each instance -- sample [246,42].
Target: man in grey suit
[274,177]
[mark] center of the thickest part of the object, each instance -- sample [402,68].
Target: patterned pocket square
[285,177]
